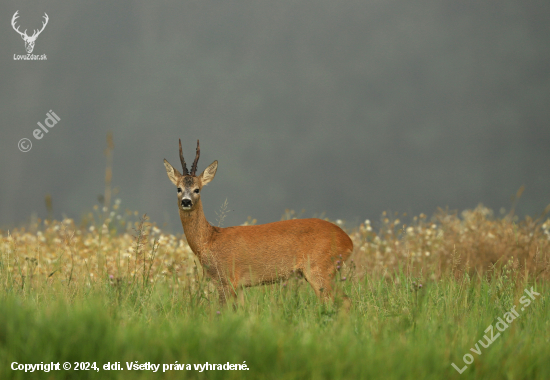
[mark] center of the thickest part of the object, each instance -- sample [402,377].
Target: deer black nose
[186,203]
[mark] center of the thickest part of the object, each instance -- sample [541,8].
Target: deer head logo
[29,40]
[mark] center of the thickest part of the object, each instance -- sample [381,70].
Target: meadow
[467,288]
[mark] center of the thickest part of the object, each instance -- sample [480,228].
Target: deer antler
[194,166]
[185,172]
[15,16]
[36,33]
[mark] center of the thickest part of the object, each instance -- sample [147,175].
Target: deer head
[188,184]
[29,40]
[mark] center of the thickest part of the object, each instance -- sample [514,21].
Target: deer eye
[197,191]
[179,189]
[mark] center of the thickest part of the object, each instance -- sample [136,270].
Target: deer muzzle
[186,203]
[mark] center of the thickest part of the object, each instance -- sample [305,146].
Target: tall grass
[116,288]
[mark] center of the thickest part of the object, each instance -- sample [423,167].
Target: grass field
[115,290]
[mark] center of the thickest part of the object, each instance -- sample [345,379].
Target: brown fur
[245,256]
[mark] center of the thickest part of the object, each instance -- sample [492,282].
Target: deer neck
[197,229]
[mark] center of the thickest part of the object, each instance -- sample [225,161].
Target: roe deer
[246,256]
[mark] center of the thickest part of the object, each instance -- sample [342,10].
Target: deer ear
[172,172]
[209,173]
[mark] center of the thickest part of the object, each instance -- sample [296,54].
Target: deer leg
[241,297]
[321,286]
[225,293]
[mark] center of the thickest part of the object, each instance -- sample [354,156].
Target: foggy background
[344,107]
